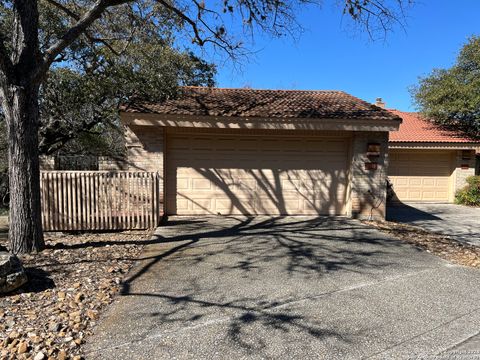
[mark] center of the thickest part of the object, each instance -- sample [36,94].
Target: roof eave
[433,145]
[165,120]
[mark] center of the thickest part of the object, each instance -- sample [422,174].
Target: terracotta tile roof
[203,101]
[415,128]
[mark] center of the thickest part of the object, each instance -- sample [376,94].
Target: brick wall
[368,187]
[145,149]
[107,163]
[460,173]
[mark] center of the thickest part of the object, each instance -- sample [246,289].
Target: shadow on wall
[296,250]
[228,174]
[251,191]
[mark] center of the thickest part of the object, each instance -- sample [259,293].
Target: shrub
[470,194]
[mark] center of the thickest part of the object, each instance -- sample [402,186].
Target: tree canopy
[80,97]
[451,97]
[80,36]
[82,105]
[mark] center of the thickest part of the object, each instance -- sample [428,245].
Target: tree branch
[74,32]
[77,18]
[216,39]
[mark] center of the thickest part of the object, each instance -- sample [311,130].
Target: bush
[470,194]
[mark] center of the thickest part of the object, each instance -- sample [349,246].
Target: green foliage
[451,97]
[128,53]
[470,194]
[79,108]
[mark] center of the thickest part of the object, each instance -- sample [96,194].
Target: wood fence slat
[123,199]
[83,201]
[135,200]
[96,183]
[99,200]
[56,202]
[129,194]
[88,202]
[75,207]
[59,202]
[142,200]
[104,202]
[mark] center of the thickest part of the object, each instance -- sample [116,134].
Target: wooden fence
[99,200]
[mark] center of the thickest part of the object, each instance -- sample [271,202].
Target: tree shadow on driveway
[252,274]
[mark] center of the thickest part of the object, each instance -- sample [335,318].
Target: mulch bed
[440,245]
[70,284]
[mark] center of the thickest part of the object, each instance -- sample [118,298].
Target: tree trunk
[22,116]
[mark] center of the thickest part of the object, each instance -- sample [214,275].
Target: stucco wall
[368,187]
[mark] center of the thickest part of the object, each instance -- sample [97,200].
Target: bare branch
[216,39]
[77,17]
[74,32]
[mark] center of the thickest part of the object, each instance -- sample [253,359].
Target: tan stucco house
[244,151]
[427,163]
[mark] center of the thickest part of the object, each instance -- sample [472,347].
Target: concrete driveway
[293,287]
[457,221]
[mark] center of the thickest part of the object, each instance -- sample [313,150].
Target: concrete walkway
[288,288]
[457,221]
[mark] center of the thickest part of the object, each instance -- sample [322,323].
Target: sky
[331,56]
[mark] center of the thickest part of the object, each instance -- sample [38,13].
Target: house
[245,151]
[427,163]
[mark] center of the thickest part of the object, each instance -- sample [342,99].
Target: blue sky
[329,56]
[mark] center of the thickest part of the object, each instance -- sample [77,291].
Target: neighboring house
[244,151]
[426,162]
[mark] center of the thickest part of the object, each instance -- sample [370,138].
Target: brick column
[145,151]
[461,171]
[368,187]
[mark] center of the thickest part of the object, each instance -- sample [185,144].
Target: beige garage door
[226,174]
[421,175]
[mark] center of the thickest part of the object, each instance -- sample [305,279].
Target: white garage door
[420,175]
[240,174]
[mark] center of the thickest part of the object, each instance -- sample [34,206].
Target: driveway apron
[287,287]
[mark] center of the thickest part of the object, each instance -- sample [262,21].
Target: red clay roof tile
[416,128]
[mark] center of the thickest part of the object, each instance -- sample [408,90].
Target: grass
[3,211]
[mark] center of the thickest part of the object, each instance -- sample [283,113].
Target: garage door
[420,175]
[241,174]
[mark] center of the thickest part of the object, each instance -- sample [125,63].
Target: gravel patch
[443,246]
[70,284]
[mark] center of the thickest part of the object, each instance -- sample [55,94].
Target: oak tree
[27,54]
[451,97]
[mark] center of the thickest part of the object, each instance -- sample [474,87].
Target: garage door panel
[213,174]
[182,204]
[201,184]
[420,176]
[444,183]
[200,204]
[183,183]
